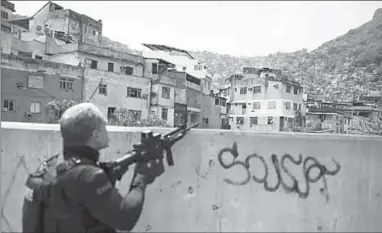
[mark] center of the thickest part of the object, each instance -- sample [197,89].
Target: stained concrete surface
[198,194]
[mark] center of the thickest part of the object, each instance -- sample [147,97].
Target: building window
[243,108]
[164,113]
[93,64]
[134,92]
[110,112]
[205,121]
[254,121]
[154,68]
[4,15]
[25,54]
[240,121]
[288,88]
[222,102]
[271,105]
[270,121]
[216,101]
[66,84]
[35,82]
[256,105]
[135,114]
[110,67]
[166,92]
[287,105]
[294,106]
[127,70]
[37,57]
[9,105]
[102,89]
[295,91]
[198,67]
[299,107]
[257,89]
[35,107]
[243,91]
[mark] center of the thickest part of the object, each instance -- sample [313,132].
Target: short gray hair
[78,123]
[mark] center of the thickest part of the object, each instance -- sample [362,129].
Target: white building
[263,101]
[182,59]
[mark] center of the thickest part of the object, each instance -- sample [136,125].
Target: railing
[263,128]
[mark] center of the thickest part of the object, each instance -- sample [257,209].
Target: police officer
[84,198]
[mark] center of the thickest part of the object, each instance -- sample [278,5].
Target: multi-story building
[7,9]
[28,85]
[188,97]
[182,59]
[214,107]
[162,89]
[198,101]
[264,100]
[63,25]
[113,79]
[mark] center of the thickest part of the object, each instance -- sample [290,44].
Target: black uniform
[84,199]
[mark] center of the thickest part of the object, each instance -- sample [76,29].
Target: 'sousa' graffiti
[308,164]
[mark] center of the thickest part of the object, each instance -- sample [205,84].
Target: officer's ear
[96,134]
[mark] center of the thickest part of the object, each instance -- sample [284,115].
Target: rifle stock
[150,148]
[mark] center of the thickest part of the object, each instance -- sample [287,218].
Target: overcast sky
[236,28]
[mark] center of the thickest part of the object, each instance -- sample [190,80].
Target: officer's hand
[150,170]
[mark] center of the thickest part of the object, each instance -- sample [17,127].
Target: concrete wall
[37,24]
[198,194]
[10,44]
[194,98]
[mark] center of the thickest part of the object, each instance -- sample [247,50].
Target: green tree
[120,117]
[57,107]
[123,117]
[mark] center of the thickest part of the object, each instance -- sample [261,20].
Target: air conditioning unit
[249,88]
[20,85]
[145,96]
[28,115]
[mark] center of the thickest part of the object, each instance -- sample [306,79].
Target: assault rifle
[150,148]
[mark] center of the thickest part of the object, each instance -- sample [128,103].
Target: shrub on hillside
[123,117]
[120,117]
[57,107]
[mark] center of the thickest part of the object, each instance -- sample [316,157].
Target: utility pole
[100,82]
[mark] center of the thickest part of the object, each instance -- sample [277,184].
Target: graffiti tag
[308,165]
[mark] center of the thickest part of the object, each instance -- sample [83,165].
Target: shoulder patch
[106,187]
[98,180]
[94,175]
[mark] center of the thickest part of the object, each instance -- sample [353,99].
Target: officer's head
[84,125]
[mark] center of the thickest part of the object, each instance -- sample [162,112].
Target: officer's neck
[81,152]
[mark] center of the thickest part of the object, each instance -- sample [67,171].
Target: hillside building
[264,100]
[28,85]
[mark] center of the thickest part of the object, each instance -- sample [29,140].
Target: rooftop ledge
[114,129]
